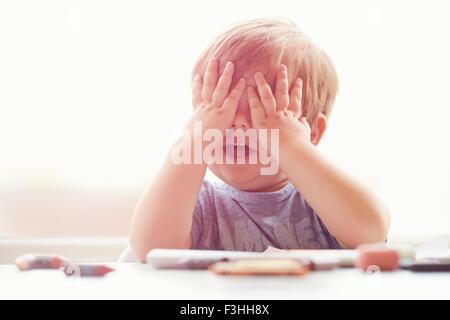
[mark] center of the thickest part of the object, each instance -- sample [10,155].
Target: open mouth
[237,149]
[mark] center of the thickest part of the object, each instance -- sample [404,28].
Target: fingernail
[229,65]
[258,76]
[283,67]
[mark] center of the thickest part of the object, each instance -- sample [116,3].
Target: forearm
[163,217]
[348,210]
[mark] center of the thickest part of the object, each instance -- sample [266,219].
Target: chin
[245,177]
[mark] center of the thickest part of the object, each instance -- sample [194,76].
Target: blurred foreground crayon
[35,262]
[41,262]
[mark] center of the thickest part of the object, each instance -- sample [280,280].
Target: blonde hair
[265,44]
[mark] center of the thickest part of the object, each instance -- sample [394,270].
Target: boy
[262,80]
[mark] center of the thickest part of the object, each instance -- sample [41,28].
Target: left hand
[281,111]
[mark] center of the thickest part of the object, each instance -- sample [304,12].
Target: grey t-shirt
[229,219]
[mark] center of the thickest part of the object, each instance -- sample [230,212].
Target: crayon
[406,252]
[39,262]
[428,265]
[323,265]
[87,270]
[260,267]
[197,264]
[379,258]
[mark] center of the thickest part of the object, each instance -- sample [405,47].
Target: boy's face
[247,176]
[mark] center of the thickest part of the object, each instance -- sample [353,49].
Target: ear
[319,129]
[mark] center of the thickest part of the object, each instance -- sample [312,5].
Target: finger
[197,85]
[232,100]
[265,94]
[257,112]
[282,88]
[295,100]
[210,80]
[223,86]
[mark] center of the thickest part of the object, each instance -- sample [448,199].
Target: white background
[92,93]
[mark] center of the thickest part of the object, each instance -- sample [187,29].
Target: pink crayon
[381,258]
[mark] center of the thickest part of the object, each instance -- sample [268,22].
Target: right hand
[214,103]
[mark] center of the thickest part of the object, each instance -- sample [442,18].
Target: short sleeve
[197,224]
[204,220]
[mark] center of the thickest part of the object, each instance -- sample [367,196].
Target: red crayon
[87,270]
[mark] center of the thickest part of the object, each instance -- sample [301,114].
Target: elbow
[140,242]
[380,225]
[373,229]
[143,243]
[141,239]
[139,249]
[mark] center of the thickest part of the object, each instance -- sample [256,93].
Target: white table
[131,281]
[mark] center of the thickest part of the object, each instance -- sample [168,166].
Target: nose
[241,121]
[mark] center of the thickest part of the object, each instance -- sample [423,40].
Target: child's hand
[214,104]
[281,111]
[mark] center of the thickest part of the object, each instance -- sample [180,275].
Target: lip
[241,151]
[236,146]
[240,154]
[226,142]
